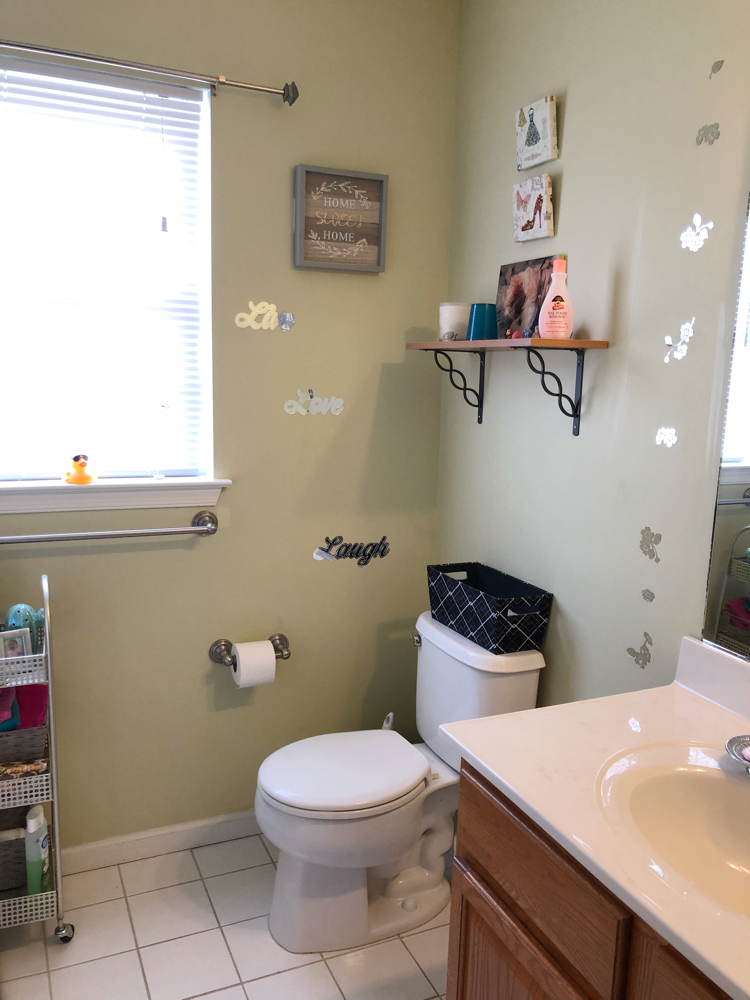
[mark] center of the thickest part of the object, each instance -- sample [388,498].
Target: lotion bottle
[37,852]
[556,314]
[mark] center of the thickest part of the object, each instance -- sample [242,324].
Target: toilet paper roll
[254,663]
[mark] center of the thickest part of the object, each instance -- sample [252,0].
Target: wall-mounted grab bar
[727,503]
[204,523]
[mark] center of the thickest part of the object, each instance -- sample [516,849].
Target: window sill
[738,475]
[109,494]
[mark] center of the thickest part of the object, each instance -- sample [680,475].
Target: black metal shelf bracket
[473,397]
[570,407]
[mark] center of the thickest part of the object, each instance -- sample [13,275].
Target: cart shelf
[16,906]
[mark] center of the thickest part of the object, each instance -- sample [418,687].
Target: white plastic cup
[454,319]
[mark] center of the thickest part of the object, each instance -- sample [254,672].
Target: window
[105,303]
[735,457]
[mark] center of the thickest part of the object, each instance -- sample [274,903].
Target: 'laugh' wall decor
[352,550]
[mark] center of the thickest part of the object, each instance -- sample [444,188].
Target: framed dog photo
[15,642]
[339,219]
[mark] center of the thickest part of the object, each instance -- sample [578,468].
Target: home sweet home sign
[339,219]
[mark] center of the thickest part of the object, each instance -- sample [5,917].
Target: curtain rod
[289,92]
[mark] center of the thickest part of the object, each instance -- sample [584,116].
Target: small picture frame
[536,133]
[15,642]
[532,209]
[339,219]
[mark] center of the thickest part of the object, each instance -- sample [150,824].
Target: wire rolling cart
[17,795]
[728,634]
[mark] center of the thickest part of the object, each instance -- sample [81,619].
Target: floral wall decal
[649,541]
[679,350]
[716,67]
[642,656]
[648,595]
[708,134]
[693,239]
[667,436]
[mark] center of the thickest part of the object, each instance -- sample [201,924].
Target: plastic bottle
[37,852]
[556,314]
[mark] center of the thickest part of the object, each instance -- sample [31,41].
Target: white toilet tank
[457,680]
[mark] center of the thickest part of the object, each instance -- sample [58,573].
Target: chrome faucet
[739,748]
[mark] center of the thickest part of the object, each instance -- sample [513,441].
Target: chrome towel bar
[205,522]
[727,503]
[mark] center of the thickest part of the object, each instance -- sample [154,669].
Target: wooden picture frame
[339,219]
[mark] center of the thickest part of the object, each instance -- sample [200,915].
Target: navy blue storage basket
[494,610]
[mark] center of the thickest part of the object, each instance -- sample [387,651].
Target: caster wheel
[64,933]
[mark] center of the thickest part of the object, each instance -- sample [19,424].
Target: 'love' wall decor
[339,219]
[307,402]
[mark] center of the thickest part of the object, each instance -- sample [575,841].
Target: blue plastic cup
[482,322]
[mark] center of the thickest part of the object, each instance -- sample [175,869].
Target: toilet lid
[343,771]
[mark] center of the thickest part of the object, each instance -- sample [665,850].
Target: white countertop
[547,762]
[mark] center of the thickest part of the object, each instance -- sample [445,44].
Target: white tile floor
[194,924]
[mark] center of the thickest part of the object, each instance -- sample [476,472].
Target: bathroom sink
[691,805]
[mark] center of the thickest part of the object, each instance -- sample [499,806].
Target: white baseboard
[163,840]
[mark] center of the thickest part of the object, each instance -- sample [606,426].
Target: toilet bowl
[360,866]
[363,820]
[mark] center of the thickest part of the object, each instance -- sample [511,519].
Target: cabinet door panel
[492,955]
[581,924]
[657,972]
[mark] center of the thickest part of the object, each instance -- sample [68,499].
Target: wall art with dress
[536,133]
[532,209]
[520,294]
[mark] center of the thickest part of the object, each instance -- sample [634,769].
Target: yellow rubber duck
[78,475]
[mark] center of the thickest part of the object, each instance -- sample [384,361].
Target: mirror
[727,616]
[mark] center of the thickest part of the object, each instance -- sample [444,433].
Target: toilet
[363,820]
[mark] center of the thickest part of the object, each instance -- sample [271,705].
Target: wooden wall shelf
[532,346]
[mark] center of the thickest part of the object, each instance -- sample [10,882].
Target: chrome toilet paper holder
[221,650]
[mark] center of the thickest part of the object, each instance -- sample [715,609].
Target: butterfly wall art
[532,209]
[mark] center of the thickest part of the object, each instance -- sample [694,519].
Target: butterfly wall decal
[522,204]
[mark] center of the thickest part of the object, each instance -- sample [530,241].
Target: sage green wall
[520,492]
[150,732]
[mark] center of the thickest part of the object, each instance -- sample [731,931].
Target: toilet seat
[360,773]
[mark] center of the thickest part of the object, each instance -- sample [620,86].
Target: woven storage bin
[12,864]
[498,612]
[12,852]
[23,744]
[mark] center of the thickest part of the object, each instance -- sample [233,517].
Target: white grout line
[132,930]
[46,957]
[216,917]
[333,977]
[420,967]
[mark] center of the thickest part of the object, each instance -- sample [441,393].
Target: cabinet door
[657,972]
[492,955]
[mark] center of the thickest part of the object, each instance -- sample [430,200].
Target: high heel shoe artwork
[536,191]
[537,209]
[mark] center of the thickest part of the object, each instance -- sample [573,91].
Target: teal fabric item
[13,722]
[24,616]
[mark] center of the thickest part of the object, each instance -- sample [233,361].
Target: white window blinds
[104,274]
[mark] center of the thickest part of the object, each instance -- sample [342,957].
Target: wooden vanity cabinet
[528,922]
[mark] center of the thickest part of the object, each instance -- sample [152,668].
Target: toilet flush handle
[416,638]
